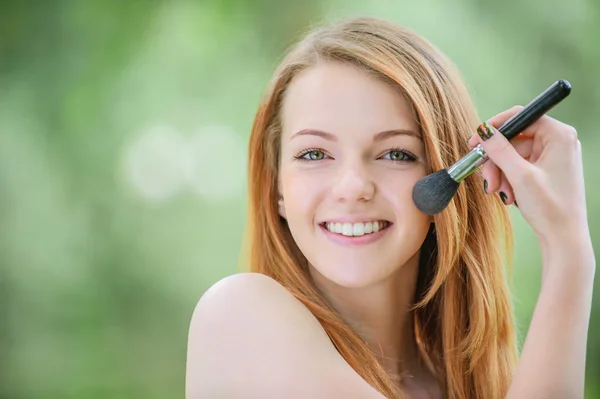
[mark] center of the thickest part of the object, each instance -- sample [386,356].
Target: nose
[353,183]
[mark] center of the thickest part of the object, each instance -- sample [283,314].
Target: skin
[355,176]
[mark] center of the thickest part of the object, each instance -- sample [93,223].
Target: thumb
[500,151]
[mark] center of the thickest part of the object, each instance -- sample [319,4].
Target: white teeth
[338,228]
[347,229]
[355,229]
[358,229]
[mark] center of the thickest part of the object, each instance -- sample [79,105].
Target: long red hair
[463,315]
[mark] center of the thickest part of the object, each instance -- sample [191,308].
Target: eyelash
[411,157]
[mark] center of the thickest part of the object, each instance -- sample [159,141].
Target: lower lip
[359,240]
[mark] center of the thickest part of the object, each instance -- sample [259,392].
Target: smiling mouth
[356,229]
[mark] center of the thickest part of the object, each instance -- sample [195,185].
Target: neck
[381,316]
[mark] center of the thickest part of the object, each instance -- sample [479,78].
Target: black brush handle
[535,109]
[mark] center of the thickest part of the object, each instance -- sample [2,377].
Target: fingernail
[485,186]
[515,204]
[503,197]
[485,131]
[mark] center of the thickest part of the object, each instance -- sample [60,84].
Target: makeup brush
[433,193]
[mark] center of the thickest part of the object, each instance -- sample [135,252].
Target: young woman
[354,293]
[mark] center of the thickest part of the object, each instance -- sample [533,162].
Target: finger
[497,121]
[550,129]
[501,151]
[549,136]
[491,175]
[501,118]
[505,191]
[523,146]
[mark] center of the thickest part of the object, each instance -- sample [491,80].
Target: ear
[281,207]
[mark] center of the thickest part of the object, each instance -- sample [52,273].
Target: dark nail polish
[485,131]
[515,204]
[485,186]
[503,197]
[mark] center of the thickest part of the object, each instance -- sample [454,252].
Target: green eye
[311,154]
[397,155]
[314,155]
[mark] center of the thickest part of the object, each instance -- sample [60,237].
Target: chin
[353,274]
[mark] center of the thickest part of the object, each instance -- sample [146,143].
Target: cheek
[399,193]
[301,193]
[402,185]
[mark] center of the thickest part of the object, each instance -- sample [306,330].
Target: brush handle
[536,109]
[512,127]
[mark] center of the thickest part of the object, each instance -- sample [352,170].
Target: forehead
[341,98]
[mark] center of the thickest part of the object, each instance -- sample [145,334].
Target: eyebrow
[381,136]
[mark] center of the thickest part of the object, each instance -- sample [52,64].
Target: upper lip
[354,219]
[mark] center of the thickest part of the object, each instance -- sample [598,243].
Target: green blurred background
[123,133]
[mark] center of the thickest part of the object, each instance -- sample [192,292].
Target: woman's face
[350,155]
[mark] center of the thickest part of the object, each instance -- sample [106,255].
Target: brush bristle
[433,193]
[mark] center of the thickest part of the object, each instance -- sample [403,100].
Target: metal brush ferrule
[468,164]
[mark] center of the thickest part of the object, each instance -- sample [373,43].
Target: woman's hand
[541,169]
[541,172]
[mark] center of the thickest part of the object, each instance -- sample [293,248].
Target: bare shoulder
[250,337]
[254,291]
